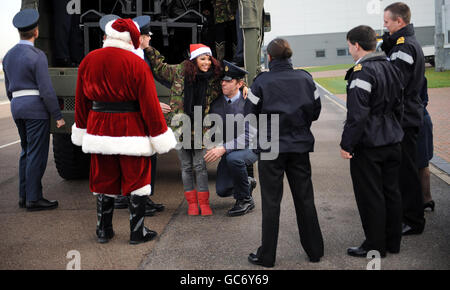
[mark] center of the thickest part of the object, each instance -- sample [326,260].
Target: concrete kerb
[440,168]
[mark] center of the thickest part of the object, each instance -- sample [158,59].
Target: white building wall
[301,17]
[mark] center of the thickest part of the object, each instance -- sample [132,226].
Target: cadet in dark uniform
[371,140]
[33,100]
[405,52]
[293,96]
[236,151]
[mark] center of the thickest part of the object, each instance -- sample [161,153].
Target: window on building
[320,53]
[342,52]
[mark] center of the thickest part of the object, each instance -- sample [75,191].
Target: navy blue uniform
[406,53]
[33,100]
[293,96]
[372,133]
[232,176]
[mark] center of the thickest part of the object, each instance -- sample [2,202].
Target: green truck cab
[175,25]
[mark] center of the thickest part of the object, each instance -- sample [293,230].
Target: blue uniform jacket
[26,68]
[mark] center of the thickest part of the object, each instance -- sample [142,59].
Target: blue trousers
[232,177]
[34,140]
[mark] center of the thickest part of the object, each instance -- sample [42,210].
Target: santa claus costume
[119,121]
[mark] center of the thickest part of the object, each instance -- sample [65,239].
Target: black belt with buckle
[116,107]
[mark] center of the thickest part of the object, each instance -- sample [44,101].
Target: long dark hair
[191,69]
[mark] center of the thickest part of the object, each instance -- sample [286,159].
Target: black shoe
[105,210]
[314,260]
[252,183]
[22,202]
[429,205]
[252,258]
[407,230]
[138,232]
[157,206]
[121,202]
[242,206]
[360,252]
[41,204]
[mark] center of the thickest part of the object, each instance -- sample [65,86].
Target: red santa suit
[120,142]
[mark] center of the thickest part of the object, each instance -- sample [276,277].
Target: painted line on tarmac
[9,144]
[333,98]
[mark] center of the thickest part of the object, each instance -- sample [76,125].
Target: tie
[229,101]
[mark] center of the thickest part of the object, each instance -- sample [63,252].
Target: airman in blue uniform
[33,101]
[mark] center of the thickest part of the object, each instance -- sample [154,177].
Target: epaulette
[357,67]
[400,40]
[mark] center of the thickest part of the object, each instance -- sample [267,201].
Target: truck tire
[70,161]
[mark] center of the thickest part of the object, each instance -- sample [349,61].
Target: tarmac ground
[43,240]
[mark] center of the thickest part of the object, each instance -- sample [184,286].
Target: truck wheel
[70,161]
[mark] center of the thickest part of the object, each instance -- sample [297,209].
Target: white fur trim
[200,51]
[165,142]
[131,146]
[143,191]
[77,135]
[111,42]
[111,32]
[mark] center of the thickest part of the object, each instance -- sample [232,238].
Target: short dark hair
[364,35]
[399,9]
[279,49]
[25,35]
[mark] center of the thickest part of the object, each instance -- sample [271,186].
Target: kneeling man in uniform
[236,152]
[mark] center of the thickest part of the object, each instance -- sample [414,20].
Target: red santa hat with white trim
[124,29]
[199,49]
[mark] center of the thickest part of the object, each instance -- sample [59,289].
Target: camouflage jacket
[225,10]
[174,74]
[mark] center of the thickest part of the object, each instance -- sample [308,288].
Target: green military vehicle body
[169,31]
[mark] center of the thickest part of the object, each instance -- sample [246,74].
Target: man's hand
[60,123]
[346,155]
[165,108]
[214,154]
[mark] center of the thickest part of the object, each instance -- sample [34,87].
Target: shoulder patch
[358,67]
[401,40]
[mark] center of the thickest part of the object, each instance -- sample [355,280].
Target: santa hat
[123,29]
[199,49]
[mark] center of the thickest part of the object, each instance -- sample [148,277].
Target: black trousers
[153,172]
[409,182]
[374,174]
[298,171]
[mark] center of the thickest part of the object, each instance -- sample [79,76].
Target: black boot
[105,209]
[138,233]
[120,202]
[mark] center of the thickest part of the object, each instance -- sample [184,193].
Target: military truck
[175,24]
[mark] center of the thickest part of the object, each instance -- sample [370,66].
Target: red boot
[191,197]
[203,200]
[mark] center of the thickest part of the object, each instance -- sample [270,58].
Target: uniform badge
[357,67]
[401,40]
[226,68]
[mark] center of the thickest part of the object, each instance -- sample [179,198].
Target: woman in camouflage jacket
[195,82]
